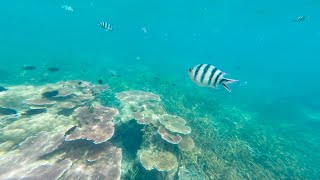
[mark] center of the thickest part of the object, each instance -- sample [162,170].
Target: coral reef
[95,123]
[105,164]
[137,96]
[33,146]
[187,143]
[25,161]
[165,134]
[162,132]
[162,161]
[174,124]
[143,106]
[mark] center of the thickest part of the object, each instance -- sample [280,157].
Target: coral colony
[63,131]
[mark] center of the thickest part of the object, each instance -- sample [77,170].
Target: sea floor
[139,124]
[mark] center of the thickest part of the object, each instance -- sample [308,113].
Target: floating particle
[144,29]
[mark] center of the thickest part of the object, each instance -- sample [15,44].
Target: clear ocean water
[266,128]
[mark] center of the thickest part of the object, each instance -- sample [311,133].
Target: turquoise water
[265,129]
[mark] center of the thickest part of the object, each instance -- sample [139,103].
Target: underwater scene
[152,90]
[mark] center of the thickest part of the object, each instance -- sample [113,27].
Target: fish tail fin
[226,81]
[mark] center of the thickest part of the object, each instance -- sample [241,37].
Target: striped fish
[300,19]
[209,76]
[67,8]
[105,25]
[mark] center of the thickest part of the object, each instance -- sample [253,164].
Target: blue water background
[252,41]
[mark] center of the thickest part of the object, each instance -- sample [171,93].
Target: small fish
[114,73]
[7,111]
[31,112]
[300,19]
[207,75]
[29,68]
[53,69]
[70,130]
[50,94]
[3,89]
[67,8]
[100,81]
[105,25]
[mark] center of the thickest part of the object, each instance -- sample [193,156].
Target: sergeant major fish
[67,8]
[300,19]
[207,75]
[105,25]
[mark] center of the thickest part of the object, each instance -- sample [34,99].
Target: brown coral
[166,135]
[137,96]
[162,161]
[40,102]
[95,123]
[174,124]
[105,164]
[186,143]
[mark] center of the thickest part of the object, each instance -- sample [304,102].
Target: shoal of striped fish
[67,8]
[207,75]
[105,25]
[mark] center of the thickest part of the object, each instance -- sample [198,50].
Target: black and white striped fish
[105,25]
[209,76]
[300,19]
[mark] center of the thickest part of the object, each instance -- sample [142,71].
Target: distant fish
[7,111]
[53,69]
[300,19]
[32,112]
[100,81]
[3,89]
[114,73]
[70,130]
[67,8]
[209,76]
[105,25]
[50,94]
[29,68]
